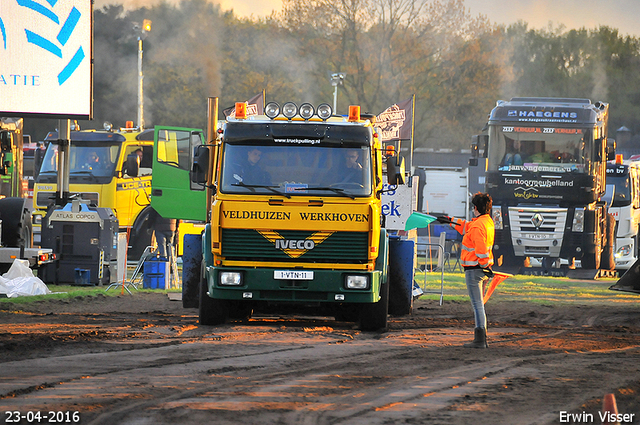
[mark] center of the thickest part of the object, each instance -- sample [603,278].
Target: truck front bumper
[316,285]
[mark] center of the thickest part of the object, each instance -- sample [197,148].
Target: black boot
[479,339]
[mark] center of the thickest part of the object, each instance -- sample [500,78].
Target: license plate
[292,275]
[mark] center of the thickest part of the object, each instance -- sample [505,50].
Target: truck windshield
[622,194]
[537,148]
[92,159]
[296,170]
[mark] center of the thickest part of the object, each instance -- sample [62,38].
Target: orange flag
[498,277]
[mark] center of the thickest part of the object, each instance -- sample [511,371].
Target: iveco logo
[537,220]
[295,248]
[294,244]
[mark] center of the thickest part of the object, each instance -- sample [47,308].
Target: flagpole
[413,118]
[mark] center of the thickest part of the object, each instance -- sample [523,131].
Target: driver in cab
[352,170]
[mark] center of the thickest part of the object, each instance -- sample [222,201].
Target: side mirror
[132,166]
[475,153]
[200,169]
[5,141]
[480,141]
[4,169]
[395,170]
[599,149]
[38,156]
[611,149]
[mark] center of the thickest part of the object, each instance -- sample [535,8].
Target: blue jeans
[475,279]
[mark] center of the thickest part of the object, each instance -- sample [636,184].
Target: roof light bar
[289,110]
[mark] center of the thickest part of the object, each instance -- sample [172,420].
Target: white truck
[623,181]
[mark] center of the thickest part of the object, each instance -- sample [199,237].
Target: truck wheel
[212,312]
[17,230]
[373,316]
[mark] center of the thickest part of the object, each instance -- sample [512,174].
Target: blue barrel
[401,273]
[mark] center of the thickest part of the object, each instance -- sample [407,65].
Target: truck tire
[141,235]
[17,229]
[607,261]
[373,317]
[211,312]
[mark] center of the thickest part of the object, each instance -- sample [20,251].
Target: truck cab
[98,172]
[623,183]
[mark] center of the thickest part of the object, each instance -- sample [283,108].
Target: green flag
[418,220]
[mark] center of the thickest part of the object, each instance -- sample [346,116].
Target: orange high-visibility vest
[477,241]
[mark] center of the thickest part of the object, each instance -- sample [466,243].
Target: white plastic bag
[20,281]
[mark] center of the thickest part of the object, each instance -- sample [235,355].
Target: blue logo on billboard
[512,113]
[67,25]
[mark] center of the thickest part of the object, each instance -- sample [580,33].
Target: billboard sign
[46,52]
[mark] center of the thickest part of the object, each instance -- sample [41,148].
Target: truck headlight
[578,220]
[496,214]
[357,282]
[623,251]
[231,278]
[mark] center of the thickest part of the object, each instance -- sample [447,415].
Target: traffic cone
[609,406]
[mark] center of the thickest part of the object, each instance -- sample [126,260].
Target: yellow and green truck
[294,216]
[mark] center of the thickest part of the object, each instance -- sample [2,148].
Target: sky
[621,14]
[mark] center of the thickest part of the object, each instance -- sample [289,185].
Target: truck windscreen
[85,159]
[622,194]
[538,148]
[296,170]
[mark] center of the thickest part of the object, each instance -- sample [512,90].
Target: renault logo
[537,220]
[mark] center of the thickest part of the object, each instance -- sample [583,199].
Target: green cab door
[172,193]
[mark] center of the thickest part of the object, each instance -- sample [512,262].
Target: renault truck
[546,162]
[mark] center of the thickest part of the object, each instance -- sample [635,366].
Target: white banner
[45,58]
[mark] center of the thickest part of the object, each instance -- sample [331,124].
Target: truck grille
[537,231]
[339,247]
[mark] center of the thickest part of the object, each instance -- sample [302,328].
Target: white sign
[398,202]
[87,217]
[45,58]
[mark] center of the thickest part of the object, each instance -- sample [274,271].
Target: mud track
[143,359]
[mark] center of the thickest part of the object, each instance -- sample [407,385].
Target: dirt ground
[143,359]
